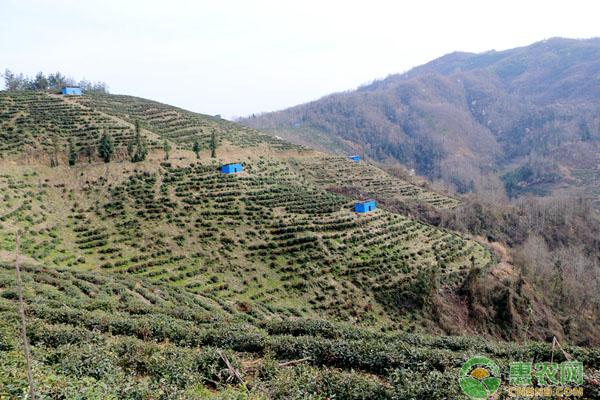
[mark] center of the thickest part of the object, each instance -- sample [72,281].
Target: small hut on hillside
[71,91]
[232,168]
[365,206]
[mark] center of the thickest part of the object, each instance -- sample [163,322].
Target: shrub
[213,369]
[434,385]
[88,359]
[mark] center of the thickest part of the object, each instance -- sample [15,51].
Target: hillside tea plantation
[332,171]
[32,119]
[147,341]
[180,126]
[266,237]
[167,279]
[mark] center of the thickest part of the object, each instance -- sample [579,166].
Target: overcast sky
[239,57]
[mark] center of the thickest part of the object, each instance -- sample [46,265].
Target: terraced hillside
[255,238]
[337,172]
[178,125]
[30,120]
[34,123]
[116,337]
[168,279]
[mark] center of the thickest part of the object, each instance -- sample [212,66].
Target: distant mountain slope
[530,115]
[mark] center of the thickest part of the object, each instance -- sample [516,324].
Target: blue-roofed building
[71,91]
[233,168]
[365,206]
[356,158]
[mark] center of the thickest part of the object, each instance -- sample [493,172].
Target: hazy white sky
[238,57]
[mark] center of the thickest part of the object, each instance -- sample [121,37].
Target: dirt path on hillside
[9,256]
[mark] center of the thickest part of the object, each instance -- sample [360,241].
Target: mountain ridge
[516,117]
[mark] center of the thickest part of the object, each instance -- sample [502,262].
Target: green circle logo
[480,378]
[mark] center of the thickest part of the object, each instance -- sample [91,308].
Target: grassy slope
[132,265]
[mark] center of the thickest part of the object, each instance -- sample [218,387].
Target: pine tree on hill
[197,148]
[55,150]
[139,149]
[167,148]
[72,153]
[213,145]
[106,147]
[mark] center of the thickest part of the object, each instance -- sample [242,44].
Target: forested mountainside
[526,119]
[153,275]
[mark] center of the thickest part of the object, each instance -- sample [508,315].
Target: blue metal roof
[365,206]
[232,168]
[71,90]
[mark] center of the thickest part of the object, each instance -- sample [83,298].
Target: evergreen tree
[197,148]
[55,150]
[14,81]
[213,145]
[106,147]
[72,153]
[140,150]
[40,82]
[57,80]
[167,149]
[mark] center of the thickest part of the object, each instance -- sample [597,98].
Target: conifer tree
[213,145]
[106,147]
[72,153]
[197,148]
[55,150]
[167,149]
[139,148]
